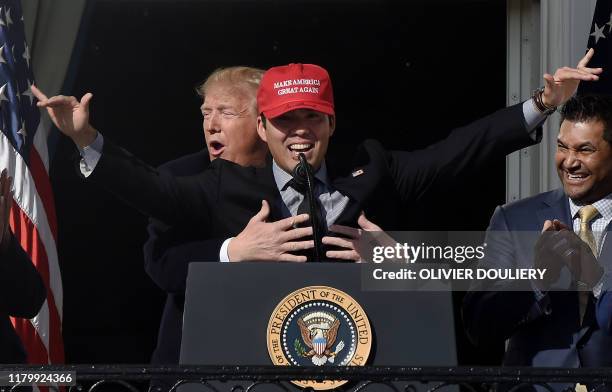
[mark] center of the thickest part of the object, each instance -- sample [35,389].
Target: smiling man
[544,327]
[302,117]
[584,155]
[297,115]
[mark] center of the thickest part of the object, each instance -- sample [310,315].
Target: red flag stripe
[30,241]
[43,338]
[26,196]
[21,226]
[30,338]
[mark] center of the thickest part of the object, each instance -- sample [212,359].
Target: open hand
[358,244]
[558,88]
[69,115]
[271,241]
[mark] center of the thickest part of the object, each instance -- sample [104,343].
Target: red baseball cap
[295,86]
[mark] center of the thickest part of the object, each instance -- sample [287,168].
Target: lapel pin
[357,173]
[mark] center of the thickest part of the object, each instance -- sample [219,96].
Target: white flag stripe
[41,324]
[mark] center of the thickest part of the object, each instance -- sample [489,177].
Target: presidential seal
[319,326]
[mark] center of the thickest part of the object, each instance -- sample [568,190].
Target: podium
[229,306]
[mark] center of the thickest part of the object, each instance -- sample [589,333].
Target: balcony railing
[135,378]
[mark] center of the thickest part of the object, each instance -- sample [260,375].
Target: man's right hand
[69,115]
[270,241]
[558,246]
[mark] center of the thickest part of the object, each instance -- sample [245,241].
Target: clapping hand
[559,247]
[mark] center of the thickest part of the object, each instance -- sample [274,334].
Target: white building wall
[542,35]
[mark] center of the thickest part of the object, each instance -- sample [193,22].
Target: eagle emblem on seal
[319,331]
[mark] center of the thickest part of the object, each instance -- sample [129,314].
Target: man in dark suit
[167,253]
[604,312]
[297,116]
[22,291]
[552,322]
[229,110]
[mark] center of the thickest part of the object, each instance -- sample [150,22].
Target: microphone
[300,173]
[303,176]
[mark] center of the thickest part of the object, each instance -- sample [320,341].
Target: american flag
[24,152]
[600,38]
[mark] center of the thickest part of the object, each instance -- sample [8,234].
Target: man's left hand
[558,88]
[569,249]
[582,263]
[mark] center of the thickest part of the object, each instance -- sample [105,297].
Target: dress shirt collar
[282,178]
[604,206]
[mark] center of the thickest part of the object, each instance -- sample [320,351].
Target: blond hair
[244,78]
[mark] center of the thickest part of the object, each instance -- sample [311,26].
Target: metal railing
[135,378]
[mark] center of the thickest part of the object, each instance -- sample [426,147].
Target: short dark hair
[590,107]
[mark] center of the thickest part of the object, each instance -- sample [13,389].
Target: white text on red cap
[286,89]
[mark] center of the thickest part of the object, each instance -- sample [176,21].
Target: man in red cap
[298,96]
[297,117]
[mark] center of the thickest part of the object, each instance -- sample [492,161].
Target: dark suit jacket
[544,333]
[167,254]
[22,293]
[604,311]
[225,196]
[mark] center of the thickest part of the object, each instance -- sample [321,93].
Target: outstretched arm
[156,194]
[475,145]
